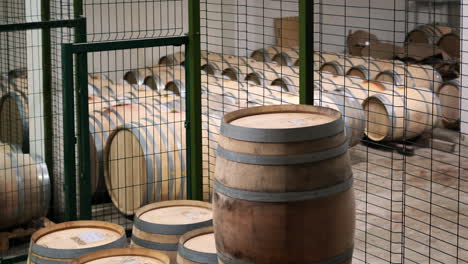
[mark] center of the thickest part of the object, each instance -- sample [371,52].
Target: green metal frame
[193,120]
[306,51]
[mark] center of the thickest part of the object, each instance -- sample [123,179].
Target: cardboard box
[287,32]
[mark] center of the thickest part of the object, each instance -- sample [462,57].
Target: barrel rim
[116,252]
[171,203]
[76,224]
[336,65]
[388,106]
[57,253]
[283,135]
[361,68]
[196,256]
[168,229]
[149,180]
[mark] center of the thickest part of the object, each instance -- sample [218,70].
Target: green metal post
[306,51]
[69,139]
[83,126]
[193,92]
[47,93]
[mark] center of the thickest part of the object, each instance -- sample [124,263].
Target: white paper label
[192,216]
[92,237]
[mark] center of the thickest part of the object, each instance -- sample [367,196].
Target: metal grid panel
[148,132]
[410,191]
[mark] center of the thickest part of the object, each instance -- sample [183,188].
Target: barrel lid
[126,260]
[124,256]
[282,123]
[203,243]
[177,215]
[78,235]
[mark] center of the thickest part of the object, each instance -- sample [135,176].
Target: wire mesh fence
[392,68]
[385,66]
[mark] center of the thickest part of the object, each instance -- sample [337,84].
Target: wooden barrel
[287,56]
[21,73]
[5,147]
[211,68]
[353,114]
[265,54]
[173,59]
[450,99]
[24,188]
[159,226]
[123,255]
[269,144]
[421,76]
[333,67]
[18,84]
[358,40]
[197,247]
[14,119]
[450,43]
[152,151]
[429,33]
[401,114]
[369,70]
[262,73]
[101,124]
[161,78]
[61,243]
[358,88]
[138,76]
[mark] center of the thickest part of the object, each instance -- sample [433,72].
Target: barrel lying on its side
[24,188]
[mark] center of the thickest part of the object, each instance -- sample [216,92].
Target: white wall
[118,20]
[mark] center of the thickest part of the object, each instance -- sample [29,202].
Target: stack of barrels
[24,178]
[294,221]
[170,232]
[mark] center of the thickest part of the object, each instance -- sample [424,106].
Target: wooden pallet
[6,237]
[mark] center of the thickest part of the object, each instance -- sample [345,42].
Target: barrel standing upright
[283,187]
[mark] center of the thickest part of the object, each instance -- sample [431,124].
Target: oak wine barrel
[123,255]
[152,151]
[138,76]
[369,70]
[412,76]
[197,247]
[24,188]
[101,124]
[450,43]
[401,114]
[173,59]
[159,226]
[349,106]
[428,33]
[5,148]
[161,78]
[61,243]
[287,56]
[258,150]
[265,54]
[333,67]
[14,119]
[358,40]
[450,99]
[358,88]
